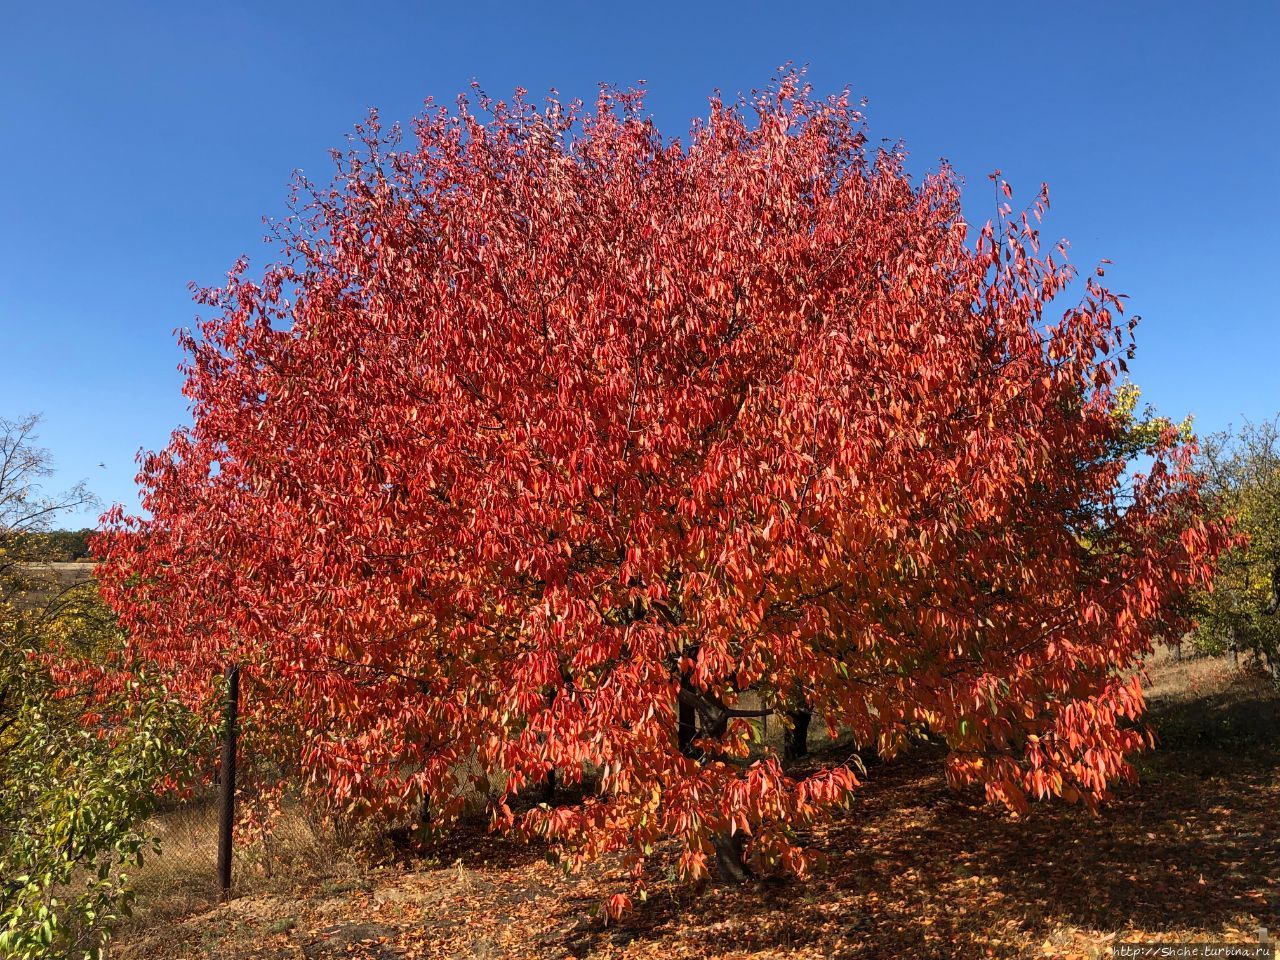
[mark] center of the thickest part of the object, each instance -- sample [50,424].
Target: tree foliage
[73,809]
[544,427]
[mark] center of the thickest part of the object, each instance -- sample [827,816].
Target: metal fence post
[227,784]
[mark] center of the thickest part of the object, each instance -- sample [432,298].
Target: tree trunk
[795,743]
[728,848]
[687,729]
[729,858]
[423,825]
[549,784]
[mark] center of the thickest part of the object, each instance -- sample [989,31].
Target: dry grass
[1174,681]
[182,879]
[914,870]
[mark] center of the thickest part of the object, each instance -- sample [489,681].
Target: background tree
[1242,480]
[53,546]
[551,444]
[73,794]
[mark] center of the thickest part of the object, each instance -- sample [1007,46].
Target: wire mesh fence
[182,878]
[197,861]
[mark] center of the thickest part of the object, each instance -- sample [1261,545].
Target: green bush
[81,754]
[73,801]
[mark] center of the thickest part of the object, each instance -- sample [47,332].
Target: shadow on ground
[916,870]
[913,870]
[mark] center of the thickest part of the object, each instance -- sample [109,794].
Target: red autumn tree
[553,445]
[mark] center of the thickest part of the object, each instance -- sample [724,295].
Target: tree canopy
[544,425]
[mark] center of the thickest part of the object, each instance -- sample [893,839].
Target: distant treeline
[53,546]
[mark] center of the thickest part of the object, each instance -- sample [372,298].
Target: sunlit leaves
[544,423]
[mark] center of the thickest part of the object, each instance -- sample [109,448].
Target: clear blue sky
[140,145]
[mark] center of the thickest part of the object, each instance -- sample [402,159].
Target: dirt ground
[1192,852]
